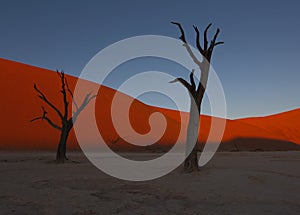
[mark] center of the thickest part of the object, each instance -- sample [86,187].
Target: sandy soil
[232,183]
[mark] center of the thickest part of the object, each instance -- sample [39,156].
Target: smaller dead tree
[67,121]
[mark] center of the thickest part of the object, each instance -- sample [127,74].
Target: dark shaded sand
[232,183]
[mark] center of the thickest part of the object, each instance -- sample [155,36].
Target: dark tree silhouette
[196,92]
[66,120]
[115,140]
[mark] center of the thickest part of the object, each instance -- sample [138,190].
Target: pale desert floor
[232,183]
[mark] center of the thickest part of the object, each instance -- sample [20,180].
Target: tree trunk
[191,161]
[196,93]
[61,149]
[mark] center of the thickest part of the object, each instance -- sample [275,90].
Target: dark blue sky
[258,64]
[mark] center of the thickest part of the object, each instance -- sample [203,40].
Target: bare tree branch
[44,117]
[205,52]
[42,96]
[53,124]
[90,99]
[189,50]
[183,82]
[218,43]
[71,94]
[213,43]
[85,102]
[215,36]
[193,85]
[205,37]
[63,91]
[182,36]
[185,44]
[198,41]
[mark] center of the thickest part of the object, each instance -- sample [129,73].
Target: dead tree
[115,140]
[196,92]
[67,121]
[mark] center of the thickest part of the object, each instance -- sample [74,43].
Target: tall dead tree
[196,92]
[67,121]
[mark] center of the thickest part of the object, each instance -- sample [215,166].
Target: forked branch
[42,96]
[191,87]
[185,44]
[88,98]
[205,51]
[213,43]
[44,117]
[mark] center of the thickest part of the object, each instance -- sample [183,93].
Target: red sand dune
[286,126]
[19,104]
